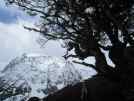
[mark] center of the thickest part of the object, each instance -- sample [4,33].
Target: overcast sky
[15,40]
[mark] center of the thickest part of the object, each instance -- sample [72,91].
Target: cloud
[11,14]
[6,16]
[15,40]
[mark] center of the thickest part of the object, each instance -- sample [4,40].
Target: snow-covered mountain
[36,75]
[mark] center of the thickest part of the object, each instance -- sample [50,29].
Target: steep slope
[36,75]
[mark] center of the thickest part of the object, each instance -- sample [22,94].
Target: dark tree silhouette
[87,26]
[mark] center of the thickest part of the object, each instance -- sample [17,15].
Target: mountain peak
[37,75]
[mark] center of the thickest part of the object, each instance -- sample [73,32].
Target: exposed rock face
[36,75]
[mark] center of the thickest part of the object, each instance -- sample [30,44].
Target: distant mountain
[36,75]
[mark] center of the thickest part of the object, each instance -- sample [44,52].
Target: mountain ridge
[36,75]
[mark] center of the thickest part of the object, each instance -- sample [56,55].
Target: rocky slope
[36,75]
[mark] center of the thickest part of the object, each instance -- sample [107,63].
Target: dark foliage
[87,26]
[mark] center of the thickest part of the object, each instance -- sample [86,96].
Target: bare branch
[85,64]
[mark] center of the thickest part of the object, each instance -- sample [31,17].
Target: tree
[87,26]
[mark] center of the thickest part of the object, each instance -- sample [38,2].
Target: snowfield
[38,75]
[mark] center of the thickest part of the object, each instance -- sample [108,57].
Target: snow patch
[39,75]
